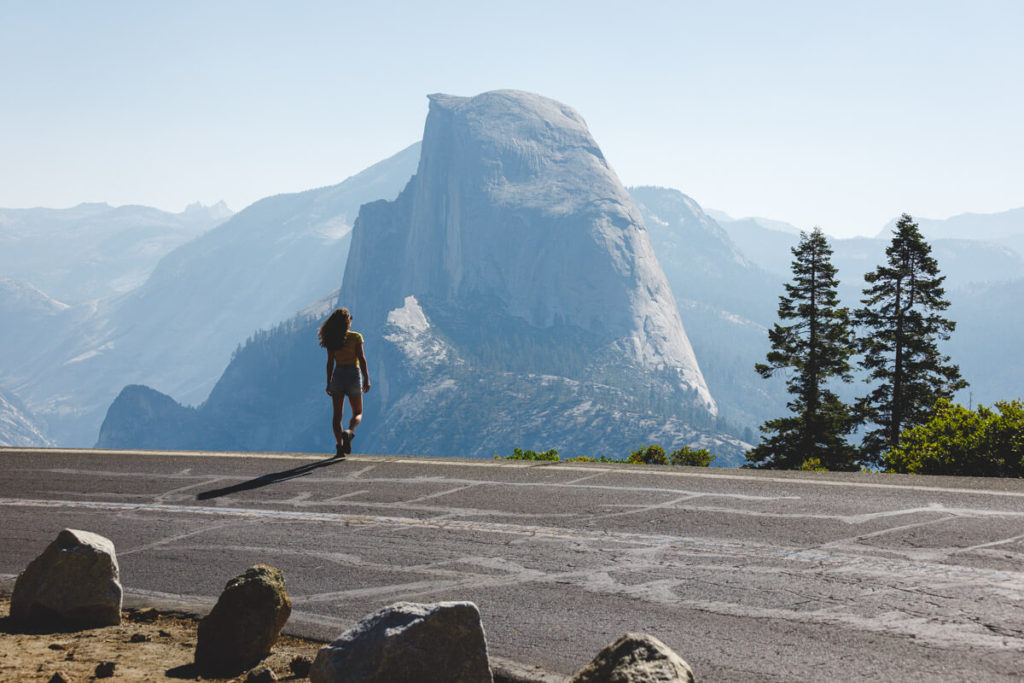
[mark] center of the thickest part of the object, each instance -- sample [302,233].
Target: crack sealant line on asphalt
[806,479]
[866,563]
[463,483]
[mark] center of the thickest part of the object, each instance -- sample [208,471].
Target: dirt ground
[146,646]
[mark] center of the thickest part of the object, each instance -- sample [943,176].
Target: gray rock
[522,306]
[635,658]
[105,670]
[523,303]
[409,643]
[245,623]
[261,674]
[300,666]
[75,581]
[509,671]
[515,211]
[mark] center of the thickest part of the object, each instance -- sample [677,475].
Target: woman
[345,363]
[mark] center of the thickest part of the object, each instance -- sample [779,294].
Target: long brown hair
[333,331]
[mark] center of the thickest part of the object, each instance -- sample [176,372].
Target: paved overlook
[748,575]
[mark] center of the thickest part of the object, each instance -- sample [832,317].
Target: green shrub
[648,455]
[812,465]
[959,441]
[691,457]
[520,454]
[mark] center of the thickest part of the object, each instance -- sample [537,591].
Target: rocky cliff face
[509,297]
[17,426]
[515,220]
[726,302]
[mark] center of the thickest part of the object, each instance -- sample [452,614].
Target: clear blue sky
[838,114]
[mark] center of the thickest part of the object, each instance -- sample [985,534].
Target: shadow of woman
[268,479]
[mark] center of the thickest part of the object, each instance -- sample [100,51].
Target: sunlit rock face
[515,221]
[17,426]
[508,297]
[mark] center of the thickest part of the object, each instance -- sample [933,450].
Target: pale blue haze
[818,113]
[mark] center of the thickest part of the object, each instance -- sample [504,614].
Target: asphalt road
[748,575]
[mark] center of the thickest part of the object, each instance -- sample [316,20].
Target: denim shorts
[346,381]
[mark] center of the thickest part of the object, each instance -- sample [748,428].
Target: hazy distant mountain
[1005,229]
[970,226]
[725,300]
[983,283]
[702,262]
[963,261]
[722,218]
[509,297]
[254,271]
[511,313]
[29,321]
[22,299]
[178,330]
[767,247]
[94,250]
[765,240]
[142,417]
[17,426]
[987,340]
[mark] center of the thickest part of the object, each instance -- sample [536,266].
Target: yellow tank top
[346,355]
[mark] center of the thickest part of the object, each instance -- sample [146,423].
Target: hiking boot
[340,453]
[346,441]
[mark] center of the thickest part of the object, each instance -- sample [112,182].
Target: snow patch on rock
[410,317]
[17,427]
[409,330]
[91,353]
[333,229]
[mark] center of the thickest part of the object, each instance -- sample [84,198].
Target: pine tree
[816,346]
[901,316]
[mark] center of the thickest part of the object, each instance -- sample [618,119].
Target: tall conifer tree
[816,346]
[901,316]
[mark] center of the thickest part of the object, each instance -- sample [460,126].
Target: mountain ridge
[521,192]
[176,332]
[499,372]
[93,250]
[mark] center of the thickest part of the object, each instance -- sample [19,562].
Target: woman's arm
[330,369]
[362,366]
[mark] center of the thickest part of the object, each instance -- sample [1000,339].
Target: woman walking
[345,364]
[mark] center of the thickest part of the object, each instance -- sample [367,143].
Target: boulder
[245,623]
[261,674]
[635,658]
[300,666]
[74,582]
[409,643]
[509,671]
[105,670]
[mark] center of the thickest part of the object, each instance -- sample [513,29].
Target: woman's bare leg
[339,411]
[356,401]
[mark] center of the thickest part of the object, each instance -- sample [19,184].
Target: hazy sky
[838,114]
